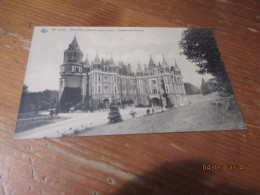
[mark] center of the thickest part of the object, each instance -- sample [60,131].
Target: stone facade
[103,81]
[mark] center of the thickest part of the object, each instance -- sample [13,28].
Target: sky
[131,45]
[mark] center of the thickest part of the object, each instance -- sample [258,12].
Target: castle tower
[73,54]
[72,68]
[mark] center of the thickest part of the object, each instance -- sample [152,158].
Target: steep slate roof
[111,62]
[151,63]
[164,63]
[176,65]
[96,60]
[74,46]
[86,63]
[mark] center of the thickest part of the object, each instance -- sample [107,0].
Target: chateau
[104,81]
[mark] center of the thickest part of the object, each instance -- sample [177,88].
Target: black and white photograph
[89,81]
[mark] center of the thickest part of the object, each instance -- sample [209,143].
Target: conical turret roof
[151,62]
[74,46]
[96,60]
[111,61]
[176,65]
[164,63]
[86,63]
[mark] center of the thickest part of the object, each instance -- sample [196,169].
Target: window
[99,77]
[154,90]
[99,91]
[77,69]
[115,79]
[165,80]
[167,91]
[68,68]
[115,89]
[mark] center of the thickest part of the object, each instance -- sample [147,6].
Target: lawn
[21,126]
[201,114]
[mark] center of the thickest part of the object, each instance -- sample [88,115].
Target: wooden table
[168,163]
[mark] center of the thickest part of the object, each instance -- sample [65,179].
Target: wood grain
[169,163]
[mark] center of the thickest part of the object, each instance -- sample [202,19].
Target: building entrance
[106,102]
[155,101]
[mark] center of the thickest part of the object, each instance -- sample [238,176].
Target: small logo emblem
[44,30]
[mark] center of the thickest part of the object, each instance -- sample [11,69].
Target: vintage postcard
[86,81]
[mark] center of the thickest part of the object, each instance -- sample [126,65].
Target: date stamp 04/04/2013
[222,167]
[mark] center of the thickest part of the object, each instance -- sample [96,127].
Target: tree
[199,46]
[70,97]
[212,85]
[35,101]
[204,87]
[114,115]
[191,89]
